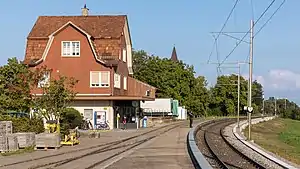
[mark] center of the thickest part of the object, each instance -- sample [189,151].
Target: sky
[156,26]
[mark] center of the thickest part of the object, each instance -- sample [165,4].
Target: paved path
[168,151]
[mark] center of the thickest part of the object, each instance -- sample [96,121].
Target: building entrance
[126,113]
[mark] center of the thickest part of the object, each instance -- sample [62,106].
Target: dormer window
[70,48]
[124,53]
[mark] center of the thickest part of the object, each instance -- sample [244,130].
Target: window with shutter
[104,79]
[117,79]
[99,79]
[125,83]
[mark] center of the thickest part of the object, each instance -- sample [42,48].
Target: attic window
[70,48]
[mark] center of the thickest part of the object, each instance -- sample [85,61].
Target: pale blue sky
[158,24]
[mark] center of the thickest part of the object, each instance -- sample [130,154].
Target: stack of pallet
[6,127]
[5,130]
[25,139]
[12,142]
[47,140]
[3,143]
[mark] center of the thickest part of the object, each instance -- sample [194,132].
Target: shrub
[70,119]
[25,124]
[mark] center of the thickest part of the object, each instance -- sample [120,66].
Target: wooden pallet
[46,148]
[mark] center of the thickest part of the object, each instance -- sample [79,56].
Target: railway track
[218,151]
[93,156]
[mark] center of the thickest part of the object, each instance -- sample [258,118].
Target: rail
[197,157]
[258,150]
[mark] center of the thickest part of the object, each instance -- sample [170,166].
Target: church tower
[174,55]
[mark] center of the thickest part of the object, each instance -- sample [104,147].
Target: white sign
[101,117]
[250,109]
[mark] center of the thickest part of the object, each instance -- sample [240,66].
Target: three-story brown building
[97,51]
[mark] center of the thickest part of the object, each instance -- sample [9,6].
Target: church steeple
[174,55]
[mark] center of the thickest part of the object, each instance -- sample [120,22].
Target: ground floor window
[88,114]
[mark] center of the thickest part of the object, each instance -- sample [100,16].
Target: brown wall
[77,67]
[80,67]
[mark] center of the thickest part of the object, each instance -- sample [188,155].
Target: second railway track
[96,156]
[217,151]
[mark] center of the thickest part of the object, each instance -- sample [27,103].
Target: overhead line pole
[250,79]
[238,85]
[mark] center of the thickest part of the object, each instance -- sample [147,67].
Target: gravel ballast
[228,131]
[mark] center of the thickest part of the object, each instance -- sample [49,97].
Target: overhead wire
[265,24]
[228,17]
[241,40]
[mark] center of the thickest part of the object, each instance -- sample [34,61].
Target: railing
[137,88]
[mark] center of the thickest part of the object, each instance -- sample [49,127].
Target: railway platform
[168,151]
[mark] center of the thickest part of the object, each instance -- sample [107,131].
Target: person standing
[125,122]
[191,118]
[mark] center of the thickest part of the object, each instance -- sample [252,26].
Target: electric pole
[238,103]
[275,106]
[284,103]
[263,108]
[238,86]
[250,79]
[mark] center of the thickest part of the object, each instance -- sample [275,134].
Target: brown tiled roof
[97,26]
[34,49]
[103,26]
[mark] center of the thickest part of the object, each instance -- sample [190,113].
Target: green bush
[25,124]
[70,119]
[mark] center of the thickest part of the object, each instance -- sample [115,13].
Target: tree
[15,86]
[257,96]
[56,97]
[225,95]
[173,79]
[199,99]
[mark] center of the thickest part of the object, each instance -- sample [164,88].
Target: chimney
[85,11]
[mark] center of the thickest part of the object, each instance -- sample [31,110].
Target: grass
[280,136]
[20,151]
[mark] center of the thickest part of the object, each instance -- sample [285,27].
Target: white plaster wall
[96,106]
[181,113]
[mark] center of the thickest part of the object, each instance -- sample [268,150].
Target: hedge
[25,124]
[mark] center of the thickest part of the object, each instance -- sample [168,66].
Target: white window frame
[45,82]
[124,54]
[125,83]
[100,79]
[117,80]
[71,49]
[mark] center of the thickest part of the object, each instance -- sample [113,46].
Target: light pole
[275,106]
[284,103]
[263,104]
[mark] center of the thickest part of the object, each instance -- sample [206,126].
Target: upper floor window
[99,79]
[117,81]
[125,83]
[45,81]
[124,55]
[70,48]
